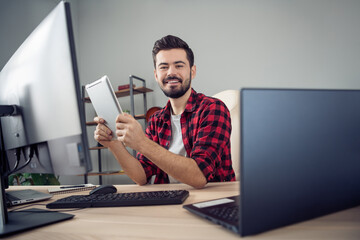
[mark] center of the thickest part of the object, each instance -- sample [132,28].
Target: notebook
[71,188]
[17,197]
[299,159]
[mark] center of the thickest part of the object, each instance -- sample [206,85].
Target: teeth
[173,81]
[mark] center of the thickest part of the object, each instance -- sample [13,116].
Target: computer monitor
[41,80]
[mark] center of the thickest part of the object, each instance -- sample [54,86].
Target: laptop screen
[300,155]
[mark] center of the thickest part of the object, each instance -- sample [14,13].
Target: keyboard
[230,213]
[121,199]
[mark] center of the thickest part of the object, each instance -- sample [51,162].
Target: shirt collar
[191,103]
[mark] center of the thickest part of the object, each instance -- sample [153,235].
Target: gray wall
[307,44]
[252,43]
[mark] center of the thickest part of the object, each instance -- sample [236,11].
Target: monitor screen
[45,132]
[41,78]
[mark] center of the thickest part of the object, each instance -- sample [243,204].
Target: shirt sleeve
[211,148]
[149,167]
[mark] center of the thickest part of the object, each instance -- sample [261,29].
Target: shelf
[126,92]
[137,90]
[130,91]
[97,148]
[140,116]
[108,173]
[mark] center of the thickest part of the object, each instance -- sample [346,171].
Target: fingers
[128,130]
[120,135]
[125,118]
[102,133]
[121,125]
[99,120]
[123,131]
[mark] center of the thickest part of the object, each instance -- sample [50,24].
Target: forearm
[131,166]
[181,168]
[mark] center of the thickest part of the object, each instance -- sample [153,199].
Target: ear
[193,72]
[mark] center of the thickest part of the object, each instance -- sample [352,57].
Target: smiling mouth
[172,81]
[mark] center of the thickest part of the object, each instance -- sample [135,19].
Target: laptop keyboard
[230,213]
[121,199]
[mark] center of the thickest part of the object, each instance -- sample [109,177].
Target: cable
[18,157]
[25,164]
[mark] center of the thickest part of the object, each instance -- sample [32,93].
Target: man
[187,141]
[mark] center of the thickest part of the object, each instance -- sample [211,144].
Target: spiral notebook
[71,188]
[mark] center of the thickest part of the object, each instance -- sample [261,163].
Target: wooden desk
[174,222]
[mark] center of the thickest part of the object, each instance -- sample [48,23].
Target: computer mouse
[103,189]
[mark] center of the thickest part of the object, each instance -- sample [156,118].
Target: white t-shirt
[176,143]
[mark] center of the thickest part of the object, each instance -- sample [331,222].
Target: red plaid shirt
[205,127]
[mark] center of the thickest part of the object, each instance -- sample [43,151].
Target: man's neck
[178,104]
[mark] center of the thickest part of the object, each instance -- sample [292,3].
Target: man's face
[172,72]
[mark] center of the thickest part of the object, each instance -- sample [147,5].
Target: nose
[171,71]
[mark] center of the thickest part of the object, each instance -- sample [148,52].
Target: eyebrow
[162,63]
[166,64]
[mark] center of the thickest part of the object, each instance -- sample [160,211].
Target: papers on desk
[71,188]
[213,203]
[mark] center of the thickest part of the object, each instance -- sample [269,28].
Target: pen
[73,186]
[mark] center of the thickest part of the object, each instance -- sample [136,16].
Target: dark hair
[170,42]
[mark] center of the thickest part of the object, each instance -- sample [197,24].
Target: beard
[175,92]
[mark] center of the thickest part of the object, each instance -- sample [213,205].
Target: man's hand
[129,131]
[102,133]
[129,164]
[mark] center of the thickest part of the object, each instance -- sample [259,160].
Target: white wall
[17,20]
[309,44]
[252,43]
[269,43]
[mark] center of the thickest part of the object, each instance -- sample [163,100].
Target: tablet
[105,103]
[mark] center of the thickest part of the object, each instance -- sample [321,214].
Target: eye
[179,66]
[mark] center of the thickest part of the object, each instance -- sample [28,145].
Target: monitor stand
[19,221]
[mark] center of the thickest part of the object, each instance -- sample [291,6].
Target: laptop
[18,197]
[300,159]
